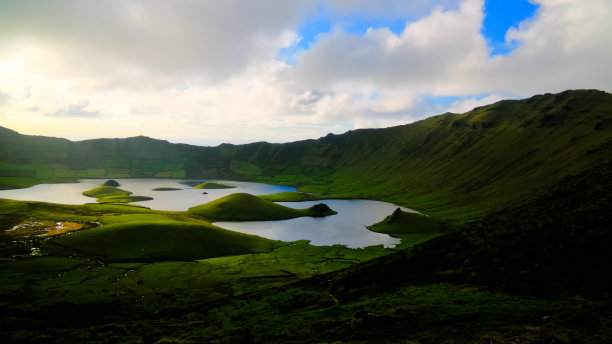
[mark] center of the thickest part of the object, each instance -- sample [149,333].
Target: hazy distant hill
[451,165]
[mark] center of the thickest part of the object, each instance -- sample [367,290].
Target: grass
[246,207]
[166,189]
[213,185]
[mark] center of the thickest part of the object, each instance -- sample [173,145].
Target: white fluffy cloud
[202,70]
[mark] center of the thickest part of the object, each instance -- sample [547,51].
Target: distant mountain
[455,166]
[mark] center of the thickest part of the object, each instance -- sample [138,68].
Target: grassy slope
[554,243]
[458,165]
[246,207]
[451,166]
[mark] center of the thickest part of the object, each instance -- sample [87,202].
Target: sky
[209,72]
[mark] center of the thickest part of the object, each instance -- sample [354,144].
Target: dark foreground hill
[535,273]
[452,165]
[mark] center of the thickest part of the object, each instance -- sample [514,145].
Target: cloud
[3,99]
[76,110]
[214,39]
[426,53]
[210,70]
[387,9]
[567,45]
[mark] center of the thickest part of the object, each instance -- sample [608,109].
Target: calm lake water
[180,200]
[345,228]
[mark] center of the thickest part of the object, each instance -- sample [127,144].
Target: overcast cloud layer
[208,71]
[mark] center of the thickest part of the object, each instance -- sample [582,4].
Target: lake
[345,228]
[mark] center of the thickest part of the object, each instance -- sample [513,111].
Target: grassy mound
[158,240]
[212,185]
[123,199]
[166,189]
[111,194]
[246,207]
[112,182]
[401,223]
[411,228]
[106,191]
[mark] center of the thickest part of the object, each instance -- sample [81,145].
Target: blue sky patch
[323,22]
[501,15]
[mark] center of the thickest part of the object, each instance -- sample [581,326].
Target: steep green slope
[454,166]
[246,207]
[555,243]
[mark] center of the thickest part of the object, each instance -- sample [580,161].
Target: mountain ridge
[455,166]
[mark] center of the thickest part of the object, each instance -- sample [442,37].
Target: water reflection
[345,228]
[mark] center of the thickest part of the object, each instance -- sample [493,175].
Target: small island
[411,228]
[111,194]
[111,182]
[246,207]
[166,189]
[213,185]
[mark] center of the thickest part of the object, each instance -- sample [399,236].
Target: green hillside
[453,166]
[246,207]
